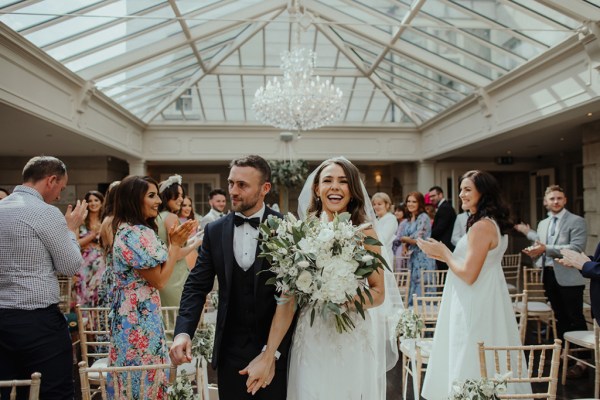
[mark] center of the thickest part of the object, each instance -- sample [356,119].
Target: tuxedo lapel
[227,247]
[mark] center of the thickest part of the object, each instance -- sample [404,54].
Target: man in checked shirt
[36,243]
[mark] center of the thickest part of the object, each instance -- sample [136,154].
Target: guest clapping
[142,264]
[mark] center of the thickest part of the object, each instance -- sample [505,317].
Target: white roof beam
[276,71]
[199,75]
[410,51]
[337,42]
[578,10]
[408,17]
[153,50]
[187,33]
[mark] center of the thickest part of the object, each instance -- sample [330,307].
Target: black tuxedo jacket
[217,258]
[591,269]
[443,224]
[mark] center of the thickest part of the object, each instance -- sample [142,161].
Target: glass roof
[397,61]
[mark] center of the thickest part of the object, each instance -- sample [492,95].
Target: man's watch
[277,354]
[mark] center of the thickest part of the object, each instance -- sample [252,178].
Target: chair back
[93,325]
[64,285]
[401,263]
[500,359]
[432,281]
[33,383]
[427,307]
[511,266]
[122,380]
[519,302]
[532,282]
[169,316]
[403,282]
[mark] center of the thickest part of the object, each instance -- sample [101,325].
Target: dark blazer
[591,269]
[216,258]
[443,224]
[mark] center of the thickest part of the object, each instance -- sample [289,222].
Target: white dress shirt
[245,239]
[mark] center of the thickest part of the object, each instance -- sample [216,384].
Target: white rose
[304,281]
[303,264]
[366,258]
[326,235]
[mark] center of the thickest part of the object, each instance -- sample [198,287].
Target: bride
[326,364]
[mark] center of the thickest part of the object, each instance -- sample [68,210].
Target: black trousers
[232,385]
[37,341]
[566,302]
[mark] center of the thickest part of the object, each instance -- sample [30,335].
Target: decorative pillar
[591,183]
[137,167]
[425,175]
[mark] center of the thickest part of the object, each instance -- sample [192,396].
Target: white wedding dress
[481,312]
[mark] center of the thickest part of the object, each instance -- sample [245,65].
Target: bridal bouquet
[479,389]
[322,263]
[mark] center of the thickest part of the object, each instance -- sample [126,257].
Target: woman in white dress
[326,364]
[476,306]
[387,224]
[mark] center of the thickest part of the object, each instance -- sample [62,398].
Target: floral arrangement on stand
[322,263]
[182,389]
[479,389]
[202,347]
[410,325]
[288,173]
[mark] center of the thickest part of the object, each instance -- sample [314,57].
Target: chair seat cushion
[581,338]
[538,306]
[100,363]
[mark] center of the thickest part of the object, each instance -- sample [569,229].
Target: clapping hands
[434,249]
[178,235]
[76,215]
[572,258]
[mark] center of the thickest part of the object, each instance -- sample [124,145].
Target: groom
[252,336]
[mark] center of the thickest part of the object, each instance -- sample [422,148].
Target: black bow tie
[254,222]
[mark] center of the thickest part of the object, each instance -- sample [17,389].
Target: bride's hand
[260,371]
[433,249]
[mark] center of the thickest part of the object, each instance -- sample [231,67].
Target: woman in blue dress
[142,264]
[418,225]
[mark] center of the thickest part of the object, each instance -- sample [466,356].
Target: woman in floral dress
[88,280]
[417,226]
[142,264]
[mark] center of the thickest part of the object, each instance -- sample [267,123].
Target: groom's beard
[245,205]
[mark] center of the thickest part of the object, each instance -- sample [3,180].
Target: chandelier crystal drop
[299,101]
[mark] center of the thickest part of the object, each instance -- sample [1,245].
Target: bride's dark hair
[491,204]
[356,206]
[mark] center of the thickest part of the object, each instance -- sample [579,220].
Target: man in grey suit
[564,286]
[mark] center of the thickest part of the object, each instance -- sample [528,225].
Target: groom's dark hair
[256,162]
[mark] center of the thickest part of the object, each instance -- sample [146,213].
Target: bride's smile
[333,189]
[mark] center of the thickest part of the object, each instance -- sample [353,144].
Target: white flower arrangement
[479,389]
[182,389]
[202,345]
[410,325]
[323,264]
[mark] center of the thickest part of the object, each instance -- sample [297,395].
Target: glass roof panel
[89,21]
[41,12]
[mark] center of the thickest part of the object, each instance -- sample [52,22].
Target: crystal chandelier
[300,101]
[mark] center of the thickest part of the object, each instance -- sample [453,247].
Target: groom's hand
[181,350]
[260,372]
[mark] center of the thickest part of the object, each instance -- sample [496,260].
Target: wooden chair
[93,325]
[86,373]
[403,281]
[169,316]
[511,266]
[65,284]
[519,302]
[415,352]
[33,383]
[512,358]
[587,341]
[538,308]
[401,263]
[432,282]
